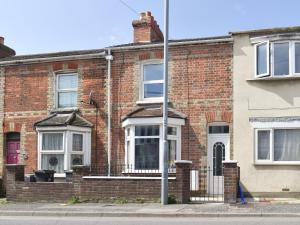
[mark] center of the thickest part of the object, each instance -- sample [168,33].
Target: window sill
[277,163]
[146,102]
[70,109]
[289,77]
[59,175]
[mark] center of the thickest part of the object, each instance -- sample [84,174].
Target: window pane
[67,81]
[77,142]
[263,144]
[287,145]
[281,59]
[218,129]
[153,90]
[172,153]
[76,160]
[53,162]
[262,59]
[297,59]
[172,131]
[147,153]
[67,99]
[151,130]
[153,72]
[52,141]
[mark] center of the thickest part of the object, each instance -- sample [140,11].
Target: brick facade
[199,82]
[200,87]
[231,179]
[28,96]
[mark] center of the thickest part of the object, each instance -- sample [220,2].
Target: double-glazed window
[278,145]
[61,150]
[144,146]
[277,59]
[152,81]
[66,90]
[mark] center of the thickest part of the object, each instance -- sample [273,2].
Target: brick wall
[130,188]
[231,179]
[28,96]
[200,86]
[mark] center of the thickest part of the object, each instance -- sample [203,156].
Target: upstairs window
[66,90]
[152,82]
[277,59]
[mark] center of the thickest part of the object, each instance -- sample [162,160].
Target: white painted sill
[145,102]
[275,78]
[291,163]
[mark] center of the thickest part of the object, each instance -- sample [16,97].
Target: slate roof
[62,119]
[153,111]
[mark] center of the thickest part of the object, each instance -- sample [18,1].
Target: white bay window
[60,148]
[144,143]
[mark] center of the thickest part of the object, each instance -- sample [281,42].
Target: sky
[42,26]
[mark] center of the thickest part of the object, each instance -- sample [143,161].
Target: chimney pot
[2,40]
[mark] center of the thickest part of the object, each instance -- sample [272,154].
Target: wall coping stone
[229,161]
[183,161]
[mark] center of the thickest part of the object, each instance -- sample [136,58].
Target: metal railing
[207,184]
[136,170]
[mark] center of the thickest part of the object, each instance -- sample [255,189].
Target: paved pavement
[151,210]
[148,221]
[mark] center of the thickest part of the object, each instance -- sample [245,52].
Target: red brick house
[55,113]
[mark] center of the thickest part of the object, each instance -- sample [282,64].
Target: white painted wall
[260,98]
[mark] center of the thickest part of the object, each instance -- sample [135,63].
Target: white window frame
[271,161]
[71,152]
[294,57]
[67,132]
[130,124]
[268,59]
[142,83]
[290,59]
[57,90]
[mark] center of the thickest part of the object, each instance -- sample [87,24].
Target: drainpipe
[109,58]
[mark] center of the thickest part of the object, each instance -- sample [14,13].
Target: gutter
[109,58]
[207,41]
[52,59]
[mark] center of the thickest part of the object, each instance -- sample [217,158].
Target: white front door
[218,151]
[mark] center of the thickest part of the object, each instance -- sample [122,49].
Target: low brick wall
[96,188]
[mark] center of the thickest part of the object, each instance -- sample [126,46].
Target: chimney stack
[146,29]
[5,51]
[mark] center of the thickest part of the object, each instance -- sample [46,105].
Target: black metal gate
[207,184]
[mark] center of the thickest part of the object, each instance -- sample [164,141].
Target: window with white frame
[143,146]
[152,81]
[277,59]
[278,145]
[66,90]
[62,149]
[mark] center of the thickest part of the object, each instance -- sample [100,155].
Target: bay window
[278,145]
[277,59]
[61,148]
[143,146]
